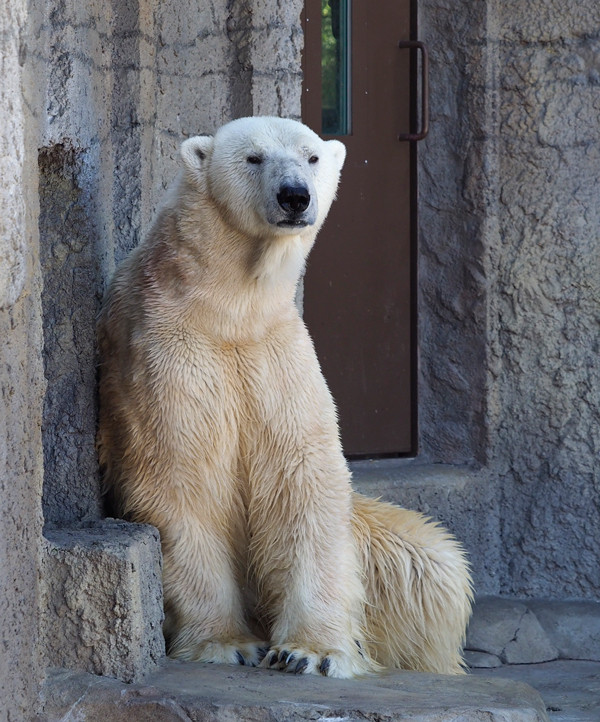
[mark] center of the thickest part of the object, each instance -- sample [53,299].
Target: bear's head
[268,176]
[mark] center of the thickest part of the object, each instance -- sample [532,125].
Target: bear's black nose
[293,199]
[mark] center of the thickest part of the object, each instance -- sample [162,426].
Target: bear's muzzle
[294,200]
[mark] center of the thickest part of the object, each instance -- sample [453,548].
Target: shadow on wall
[70,300]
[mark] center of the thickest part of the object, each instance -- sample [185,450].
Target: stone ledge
[505,631]
[103,598]
[385,475]
[214,693]
[569,688]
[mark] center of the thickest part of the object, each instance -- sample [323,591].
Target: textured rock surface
[530,631]
[570,690]
[217,693]
[544,323]
[510,631]
[13,241]
[21,381]
[529,644]
[572,627]
[509,275]
[494,624]
[103,602]
[453,197]
[70,300]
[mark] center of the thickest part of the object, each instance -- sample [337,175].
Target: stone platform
[214,693]
[570,688]
[531,631]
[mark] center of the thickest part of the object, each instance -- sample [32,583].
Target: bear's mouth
[292,224]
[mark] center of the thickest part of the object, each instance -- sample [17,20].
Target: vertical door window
[335,67]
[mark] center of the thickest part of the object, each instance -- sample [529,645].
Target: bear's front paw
[332,663]
[221,651]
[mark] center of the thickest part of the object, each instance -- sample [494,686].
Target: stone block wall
[102,607]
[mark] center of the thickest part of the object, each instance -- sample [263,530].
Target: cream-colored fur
[216,426]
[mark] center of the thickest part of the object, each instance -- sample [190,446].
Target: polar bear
[217,426]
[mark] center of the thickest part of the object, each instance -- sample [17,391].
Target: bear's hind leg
[418,588]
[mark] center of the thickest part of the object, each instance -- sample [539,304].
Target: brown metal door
[357,289]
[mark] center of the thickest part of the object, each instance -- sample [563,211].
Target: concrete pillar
[21,380]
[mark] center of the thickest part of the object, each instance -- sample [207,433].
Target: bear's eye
[254,159]
[313,159]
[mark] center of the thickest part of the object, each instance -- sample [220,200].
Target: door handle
[418,45]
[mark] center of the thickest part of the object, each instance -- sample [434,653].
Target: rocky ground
[532,661]
[570,688]
[504,631]
[215,693]
[552,646]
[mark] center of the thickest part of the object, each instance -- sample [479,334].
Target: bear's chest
[255,381]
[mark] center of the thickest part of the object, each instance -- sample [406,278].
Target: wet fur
[216,426]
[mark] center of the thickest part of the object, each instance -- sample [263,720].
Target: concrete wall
[453,196]
[124,84]
[544,316]
[21,381]
[510,273]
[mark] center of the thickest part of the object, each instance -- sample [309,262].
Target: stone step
[215,693]
[102,599]
[529,631]
[569,688]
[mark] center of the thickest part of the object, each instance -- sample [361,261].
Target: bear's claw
[286,657]
[301,666]
[262,653]
[324,666]
[328,662]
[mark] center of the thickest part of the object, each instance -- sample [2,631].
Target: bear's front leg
[303,558]
[204,612]
[302,553]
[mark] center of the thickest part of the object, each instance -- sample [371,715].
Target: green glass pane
[335,66]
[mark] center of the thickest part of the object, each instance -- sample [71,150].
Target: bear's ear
[194,151]
[338,151]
